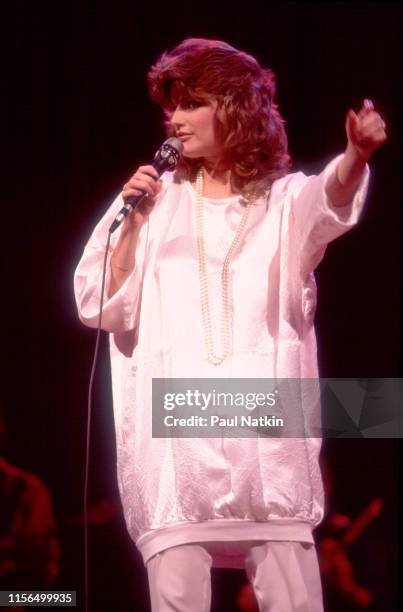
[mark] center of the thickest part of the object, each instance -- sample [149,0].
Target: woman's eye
[191,104]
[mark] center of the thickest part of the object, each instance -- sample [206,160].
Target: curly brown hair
[255,144]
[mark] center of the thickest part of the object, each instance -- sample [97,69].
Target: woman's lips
[184,137]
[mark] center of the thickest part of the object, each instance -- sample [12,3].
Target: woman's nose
[177,119]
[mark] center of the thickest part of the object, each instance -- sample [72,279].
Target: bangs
[178,93]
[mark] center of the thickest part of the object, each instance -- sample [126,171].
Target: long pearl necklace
[226,339]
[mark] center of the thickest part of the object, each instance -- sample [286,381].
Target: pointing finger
[368,104]
[366,108]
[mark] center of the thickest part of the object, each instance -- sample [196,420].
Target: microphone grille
[175,143]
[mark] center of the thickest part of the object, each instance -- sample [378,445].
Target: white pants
[284,575]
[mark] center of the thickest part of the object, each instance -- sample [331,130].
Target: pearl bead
[212,357]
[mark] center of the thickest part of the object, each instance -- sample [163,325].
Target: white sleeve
[119,312]
[316,220]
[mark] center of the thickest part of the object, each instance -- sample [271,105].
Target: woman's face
[194,125]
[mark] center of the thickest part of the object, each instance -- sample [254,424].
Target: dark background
[77,122]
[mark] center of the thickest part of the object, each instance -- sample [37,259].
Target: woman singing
[212,277]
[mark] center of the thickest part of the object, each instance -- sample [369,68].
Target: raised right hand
[141,181]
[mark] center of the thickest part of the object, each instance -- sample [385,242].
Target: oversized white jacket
[178,490]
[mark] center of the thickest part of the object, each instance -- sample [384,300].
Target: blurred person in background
[29,546]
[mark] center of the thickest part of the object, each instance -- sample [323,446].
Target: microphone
[165,158]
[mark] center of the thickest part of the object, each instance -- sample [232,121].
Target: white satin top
[230,491]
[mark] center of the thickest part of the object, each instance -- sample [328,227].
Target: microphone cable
[166,158]
[89,411]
